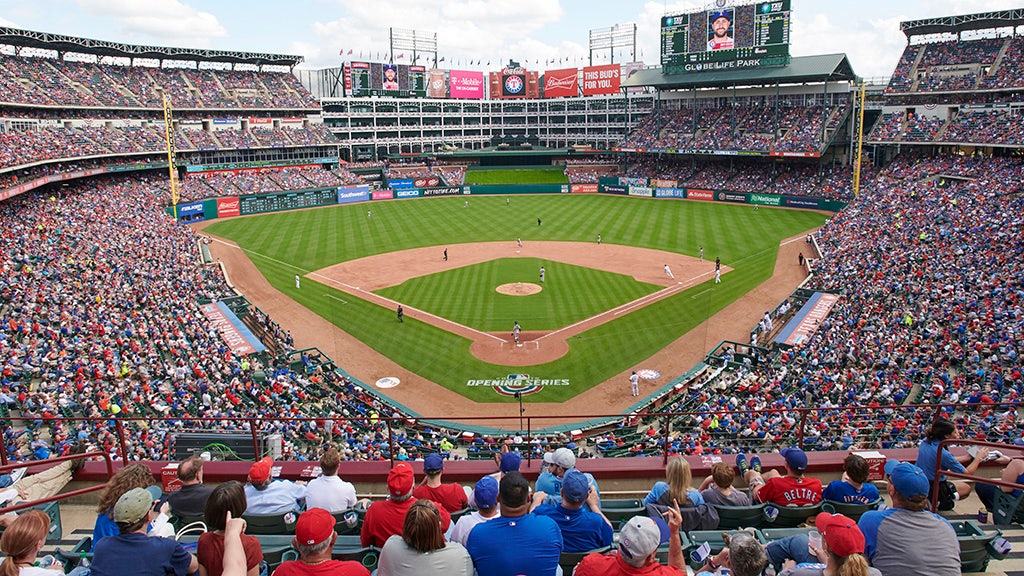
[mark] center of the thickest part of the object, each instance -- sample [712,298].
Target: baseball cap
[575,486]
[433,462]
[721,14]
[639,537]
[563,457]
[796,459]
[907,479]
[510,461]
[260,470]
[133,505]
[841,533]
[400,480]
[314,526]
[485,493]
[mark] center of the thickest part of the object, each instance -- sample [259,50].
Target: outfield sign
[349,194]
[767,200]
[730,197]
[395,184]
[382,194]
[644,191]
[445,191]
[614,189]
[670,192]
[407,193]
[799,202]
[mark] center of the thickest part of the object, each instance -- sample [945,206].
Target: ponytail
[853,565]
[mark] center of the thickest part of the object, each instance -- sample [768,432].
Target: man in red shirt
[386,518]
[793,489]
[314,540]
[637,553]
[452,497]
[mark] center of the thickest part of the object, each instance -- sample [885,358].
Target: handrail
[64,495]
[939,471]
[255,423]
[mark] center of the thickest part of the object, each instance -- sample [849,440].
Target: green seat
[685,544]
[619,509]
[773,534]
[180,522]
[735,517]
[270,524]
[792,516]
[1007,509]
[975,546]
[569,560]
[365,555]
[850,510]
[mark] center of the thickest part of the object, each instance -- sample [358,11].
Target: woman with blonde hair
[421,548]
[677,488]
[21,542]
[131,476]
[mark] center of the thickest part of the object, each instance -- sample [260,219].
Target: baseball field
[357,261]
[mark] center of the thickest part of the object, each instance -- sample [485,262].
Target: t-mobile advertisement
[465,84]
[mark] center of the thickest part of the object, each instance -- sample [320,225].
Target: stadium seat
[736,517]
[342,525]
[715,540]
[52,510]
[792,516]
[851,511]
[975,546]
[348,547]
[1007,508]
[270,524]
[569,560]
[617,510]
[663,549]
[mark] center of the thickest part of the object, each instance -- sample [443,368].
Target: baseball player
[519,242]
[401,313]
[721,22]
[515,331]
[297,282]
[634,383]
[541,274]
[718,276]
[701,255]
[668,272]
[445,254]
[598,238]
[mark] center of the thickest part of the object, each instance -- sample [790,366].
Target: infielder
[541,274]
[297,282]
[718,276]
[701,255]
[668,272]
[634,383]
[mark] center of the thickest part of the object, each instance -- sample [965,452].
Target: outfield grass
[533,176]
[289,243]
[467,295]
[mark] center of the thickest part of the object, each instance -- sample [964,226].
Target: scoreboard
[382,79]
[727,36]
[288,201]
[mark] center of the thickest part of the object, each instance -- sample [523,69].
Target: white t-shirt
[397,559]
[34,570]
[330,493]
[465,525]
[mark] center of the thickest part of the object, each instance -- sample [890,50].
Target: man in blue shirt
[907,539]
[578,516]
[517,542]
[264,495]
[132,553]
[854,487]
[550,482]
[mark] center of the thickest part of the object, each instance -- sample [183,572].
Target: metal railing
[958,441]
[7,468]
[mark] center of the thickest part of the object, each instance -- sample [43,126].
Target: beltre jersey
[789,491]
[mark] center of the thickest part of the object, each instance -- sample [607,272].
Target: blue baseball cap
[575,486]
[906,478]
[796,459]
[485,493]
[433,462]
[510,461]
[721,14]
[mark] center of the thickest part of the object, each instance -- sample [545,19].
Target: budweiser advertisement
[601,79]
[466,84]
[561,83]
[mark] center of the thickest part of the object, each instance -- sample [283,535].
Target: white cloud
[6,22]
[167,20]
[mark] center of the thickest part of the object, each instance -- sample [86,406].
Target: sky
[536,33]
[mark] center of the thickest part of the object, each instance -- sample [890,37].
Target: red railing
[958,441]
[6,469]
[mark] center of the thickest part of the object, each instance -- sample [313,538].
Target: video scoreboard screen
[381,79]
[726,37]
[288,201]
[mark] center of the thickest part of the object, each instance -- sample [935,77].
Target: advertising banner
[663,183]
[291,122]
[805,323]
[610,189]
[428,182]
[670,193]
[348,194]
[449,191]
[601,79]
[623,181]
[800,202]
[466,84]
[400,183]
[437,86]
[560,83]
[228,207]
[407,193]
[641,191]
[225,120]
[730,197]
[513,84]
[260,121]
[236,335]
[698,194]
[584,188]
[766,199]
[382,195]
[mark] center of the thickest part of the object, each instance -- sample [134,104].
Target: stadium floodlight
[618,36]
[417,42]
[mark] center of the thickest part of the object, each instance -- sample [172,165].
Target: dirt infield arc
[432,400]
[362,276]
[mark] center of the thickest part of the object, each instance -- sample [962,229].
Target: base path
[434,401]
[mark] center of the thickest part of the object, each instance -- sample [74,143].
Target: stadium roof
[827,67]
[955,24]
[60,43]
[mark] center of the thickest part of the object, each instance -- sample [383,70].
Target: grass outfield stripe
[742,237]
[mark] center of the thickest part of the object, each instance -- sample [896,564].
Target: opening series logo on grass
[521,383]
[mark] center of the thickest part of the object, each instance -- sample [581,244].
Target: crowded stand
[212,184]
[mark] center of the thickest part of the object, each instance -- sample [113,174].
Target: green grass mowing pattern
[289,243]
[533,176]
[467,295]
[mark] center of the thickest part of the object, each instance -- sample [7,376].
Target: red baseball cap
[400,480]
[314,526]
[260,470]
[841,533]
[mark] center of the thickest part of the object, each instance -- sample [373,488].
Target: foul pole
[172,166]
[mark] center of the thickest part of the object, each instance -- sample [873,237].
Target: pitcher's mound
[518,289]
